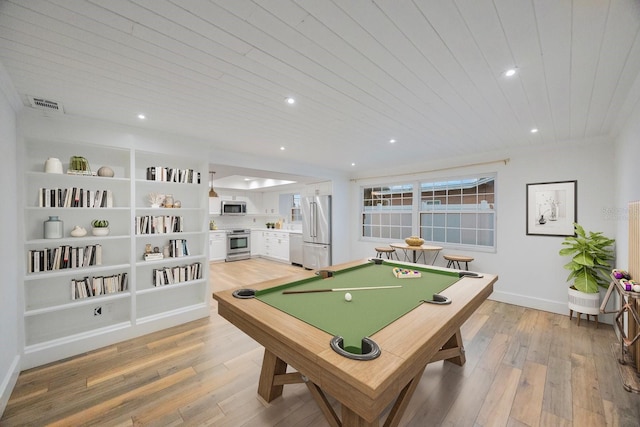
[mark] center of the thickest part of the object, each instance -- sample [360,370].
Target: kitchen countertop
[283,230]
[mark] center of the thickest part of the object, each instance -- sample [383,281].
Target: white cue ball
[347,296]
[636,288]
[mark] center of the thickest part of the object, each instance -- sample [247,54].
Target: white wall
[626,174]
[10,325]
[530,270]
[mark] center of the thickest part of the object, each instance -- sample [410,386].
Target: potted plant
[100,227]
[590,253]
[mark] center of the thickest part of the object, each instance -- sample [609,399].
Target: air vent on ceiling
[46,105]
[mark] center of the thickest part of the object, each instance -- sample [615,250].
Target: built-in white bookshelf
[59,323]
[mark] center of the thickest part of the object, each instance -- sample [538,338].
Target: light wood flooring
[524,368]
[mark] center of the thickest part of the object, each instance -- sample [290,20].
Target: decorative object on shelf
[212,225]
[152,255]
[78,231]
[177,204]
[79,165]
[53,165]
[106,171]
[155,199]
[166,251]
[100,227]
[212,192]
[53,228]
[414,241]
[168,201]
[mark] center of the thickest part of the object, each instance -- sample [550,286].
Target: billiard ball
[347,296]
[636,288]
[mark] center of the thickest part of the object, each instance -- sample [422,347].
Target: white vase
[584,303]
[53,165]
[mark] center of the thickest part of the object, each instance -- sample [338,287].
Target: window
[296,213]
[452,212]
[387,211]
[458,212]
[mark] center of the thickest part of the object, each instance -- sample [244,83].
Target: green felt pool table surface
[369,310]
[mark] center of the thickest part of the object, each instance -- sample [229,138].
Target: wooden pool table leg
[452,350]
[271,367]
[393,419]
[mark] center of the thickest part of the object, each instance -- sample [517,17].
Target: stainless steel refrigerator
[316,232]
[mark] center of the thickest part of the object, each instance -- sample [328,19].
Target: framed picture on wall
[552,208]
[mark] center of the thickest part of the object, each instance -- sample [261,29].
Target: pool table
[366,353]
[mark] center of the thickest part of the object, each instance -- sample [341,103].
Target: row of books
[162,173]
[63,257]
[171,275]
[159,224]
[98,285]
[74,197]
[178,248]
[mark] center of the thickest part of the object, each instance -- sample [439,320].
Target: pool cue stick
[366,288]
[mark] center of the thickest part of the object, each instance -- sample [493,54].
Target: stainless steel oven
[238,244]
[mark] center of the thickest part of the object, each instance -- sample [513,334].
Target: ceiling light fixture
[290,101]
[282,148]
[212,192]
[534,130]
[353,164]
[510,72]
[142,116]
[392,141]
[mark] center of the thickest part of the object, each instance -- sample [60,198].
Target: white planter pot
[584,303]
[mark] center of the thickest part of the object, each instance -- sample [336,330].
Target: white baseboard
[8,383]
[541,304]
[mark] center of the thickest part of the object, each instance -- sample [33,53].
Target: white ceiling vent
[46,105]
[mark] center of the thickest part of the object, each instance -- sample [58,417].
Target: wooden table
[417,251]
[365,389]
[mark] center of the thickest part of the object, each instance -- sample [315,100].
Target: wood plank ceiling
[427,73]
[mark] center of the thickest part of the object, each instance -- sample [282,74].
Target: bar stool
[390,252]
[455,260]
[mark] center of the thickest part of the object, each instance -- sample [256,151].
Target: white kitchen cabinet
[254,203]
[214,205]
[319,189]
[276,245]
[217,245]
[257,243]
[271,203]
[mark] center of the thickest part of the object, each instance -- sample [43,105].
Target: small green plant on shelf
[100,227]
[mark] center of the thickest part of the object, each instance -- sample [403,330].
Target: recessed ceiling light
[534,130]
[290,101]
[281,148]
[142,116]
[353,164]
[510,72]
[392,141]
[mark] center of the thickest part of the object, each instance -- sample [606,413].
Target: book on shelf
[153,256]
[63,257]
[170,275]
[167,174]
[178,248]
[74,197]
[159,224]
[98,285]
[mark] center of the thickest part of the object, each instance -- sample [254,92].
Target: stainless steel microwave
[229,207]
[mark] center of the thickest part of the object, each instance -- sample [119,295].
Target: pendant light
[212,192]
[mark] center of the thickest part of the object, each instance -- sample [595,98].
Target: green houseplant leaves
[590,256]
